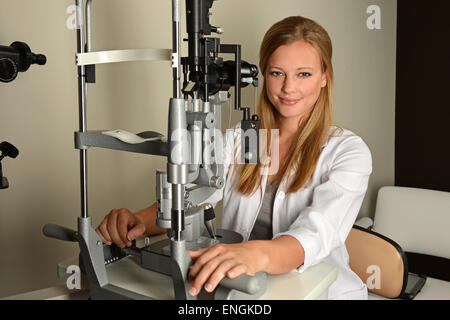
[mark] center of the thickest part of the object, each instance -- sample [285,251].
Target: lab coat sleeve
[326,223]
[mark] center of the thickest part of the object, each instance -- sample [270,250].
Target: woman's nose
[288,85]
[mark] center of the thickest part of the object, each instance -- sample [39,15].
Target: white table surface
[127,273]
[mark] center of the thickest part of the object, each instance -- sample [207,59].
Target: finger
[237,270]
[206,255]
[104,230]
[137,230]
[112,229]
[219,273]
[122,225]
[201,277]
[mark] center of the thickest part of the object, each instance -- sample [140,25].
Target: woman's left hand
[224,260]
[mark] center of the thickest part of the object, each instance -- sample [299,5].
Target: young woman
[297,208]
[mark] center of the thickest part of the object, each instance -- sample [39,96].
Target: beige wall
[39,111]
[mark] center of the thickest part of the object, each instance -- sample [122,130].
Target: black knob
[209,213]
[8,150]
[39,59]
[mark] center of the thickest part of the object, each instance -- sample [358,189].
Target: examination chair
[405,252]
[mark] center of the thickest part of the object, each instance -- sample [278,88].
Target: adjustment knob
[209,212]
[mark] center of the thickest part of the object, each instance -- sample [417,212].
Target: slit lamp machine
[192,174]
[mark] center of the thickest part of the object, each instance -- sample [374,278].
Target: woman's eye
[276,73]
[304,74]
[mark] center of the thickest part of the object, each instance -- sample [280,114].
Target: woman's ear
[324,79]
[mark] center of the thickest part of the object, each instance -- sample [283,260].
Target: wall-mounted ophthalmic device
[15,58]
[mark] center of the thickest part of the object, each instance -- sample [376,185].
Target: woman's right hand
[120,227]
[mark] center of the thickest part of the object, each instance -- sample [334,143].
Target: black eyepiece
[17,58]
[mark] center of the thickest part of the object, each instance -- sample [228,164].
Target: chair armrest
[365,222]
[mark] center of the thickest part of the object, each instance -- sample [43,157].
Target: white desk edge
[312,284]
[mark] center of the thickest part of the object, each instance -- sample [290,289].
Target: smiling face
[294,79]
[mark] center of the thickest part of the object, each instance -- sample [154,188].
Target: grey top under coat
[262,230]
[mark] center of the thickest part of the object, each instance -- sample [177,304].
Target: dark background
[422,133]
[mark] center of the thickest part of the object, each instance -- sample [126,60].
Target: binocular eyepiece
[17,58]
[222,76]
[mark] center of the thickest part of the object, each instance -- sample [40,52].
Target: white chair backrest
[417,219]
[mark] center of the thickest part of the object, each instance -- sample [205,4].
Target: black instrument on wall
[6,150]
[17,58]
[14,59]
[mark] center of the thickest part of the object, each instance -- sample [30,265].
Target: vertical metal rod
[88,26]
[82,95]
[177,189]
[205,76]
[176,44]
[237,88]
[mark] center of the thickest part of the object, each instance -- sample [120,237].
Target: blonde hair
[306,148]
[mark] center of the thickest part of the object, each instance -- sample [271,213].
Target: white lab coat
[319,216]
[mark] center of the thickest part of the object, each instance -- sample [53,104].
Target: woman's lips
[289,102]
